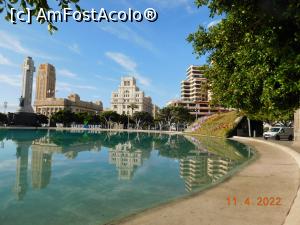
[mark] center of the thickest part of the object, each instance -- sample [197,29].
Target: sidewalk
[286,143]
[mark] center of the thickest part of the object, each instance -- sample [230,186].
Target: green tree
[80,117]
[182,116]
[132,106]
[142,118]
[254,55]
[124,119]
[36,6]
[166,116]
[42,119]
[3,118]
[110,117]
[64,116]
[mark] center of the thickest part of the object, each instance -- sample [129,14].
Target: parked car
[279,133]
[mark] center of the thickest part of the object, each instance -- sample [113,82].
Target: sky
[90,58]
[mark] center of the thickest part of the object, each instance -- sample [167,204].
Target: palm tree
[132,106]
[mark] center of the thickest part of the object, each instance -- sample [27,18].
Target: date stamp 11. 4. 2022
[269,201]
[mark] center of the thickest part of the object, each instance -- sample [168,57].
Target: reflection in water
[126,160]
[200,169]
[22,165]
[201,161]
[41,168]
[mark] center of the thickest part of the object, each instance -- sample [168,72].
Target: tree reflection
[202,161]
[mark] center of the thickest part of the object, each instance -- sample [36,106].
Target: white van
[280,133]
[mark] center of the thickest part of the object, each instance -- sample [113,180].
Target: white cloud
[87,87]
[74,48]
[63,86]
[11,80]
[123,32]
[12,43]
[67,73]
[213,23]
[123,60]
[129,65]
[107,78]
[5,61]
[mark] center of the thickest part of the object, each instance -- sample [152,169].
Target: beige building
[127,94]
[195,94]
[45,82]
[47,104]
[198,108]
[194,87]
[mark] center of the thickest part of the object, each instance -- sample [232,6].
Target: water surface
[84,178]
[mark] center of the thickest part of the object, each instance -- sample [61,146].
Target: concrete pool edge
[293,217]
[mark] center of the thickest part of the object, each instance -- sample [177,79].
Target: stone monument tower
[27,81]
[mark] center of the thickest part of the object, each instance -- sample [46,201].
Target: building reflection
[40,168]
[193,169]
[200,169]
[21,170]
[201,162]
[126,160]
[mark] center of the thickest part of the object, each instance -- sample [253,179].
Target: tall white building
[27,81]
[195,93]
[194,87]
[129,94]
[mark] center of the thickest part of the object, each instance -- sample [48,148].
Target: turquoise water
[84,178]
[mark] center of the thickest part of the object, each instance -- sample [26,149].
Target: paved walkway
[286,143]
[274,174]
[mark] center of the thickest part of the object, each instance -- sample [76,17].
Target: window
[126,83]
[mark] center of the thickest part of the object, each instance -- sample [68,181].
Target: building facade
[198,108]
[129,94]
[27,82]
[45,82]
[195,94]
[47,104]
[194,87]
